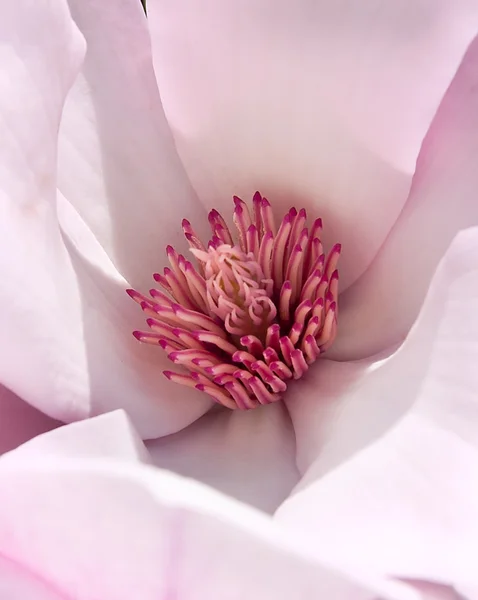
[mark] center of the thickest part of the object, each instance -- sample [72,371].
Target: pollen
[257,308]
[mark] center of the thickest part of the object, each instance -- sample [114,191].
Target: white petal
[407,503]
[123,373]
[248,455]
[107,436]
[38,290]
[19,421]
[17,583]
[66,323]
[379,309]
[318,103]
[117,161]
[115,529]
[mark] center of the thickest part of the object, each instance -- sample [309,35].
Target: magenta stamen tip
[132,293]
[170,250]
[168,374]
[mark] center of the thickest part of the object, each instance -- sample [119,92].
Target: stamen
[254,313]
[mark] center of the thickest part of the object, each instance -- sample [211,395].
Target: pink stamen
[257,309]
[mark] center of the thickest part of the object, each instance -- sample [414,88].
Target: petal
[18,583]
[122,372]
[117,161]
[107,436]
[19,421]
[66,322]
[248,455]
[318,103]
[344,406]
[414,512]
[380,308]
[37,287]
[113,528]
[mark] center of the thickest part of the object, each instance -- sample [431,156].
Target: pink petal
[117,161]
[19,421]
[66,323]
[17,583]
[37,286]
[380,308]
[123,373]
[323,104]
[113,528]
[407,502]
[247,455]
[107,436]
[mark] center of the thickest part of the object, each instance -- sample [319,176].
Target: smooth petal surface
[19,421]
[38,291]
[66,322]
[380,308]
[107,436]
[113,528]
[247,455]
[122,372]
[117,161]
[316,103]
[16,583]
[414,512]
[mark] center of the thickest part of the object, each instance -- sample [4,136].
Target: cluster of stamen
[253,313]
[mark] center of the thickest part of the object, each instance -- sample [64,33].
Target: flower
[364,114]
[255,313]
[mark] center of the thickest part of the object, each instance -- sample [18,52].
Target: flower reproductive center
[254,312]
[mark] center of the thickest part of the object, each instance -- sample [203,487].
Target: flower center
[237,290]
[254,313]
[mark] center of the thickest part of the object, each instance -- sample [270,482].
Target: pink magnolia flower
[363,113]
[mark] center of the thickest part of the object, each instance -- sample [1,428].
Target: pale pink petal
[17,583]
[435,591]
[113,529]
[19,421]
[407,503]
[323,104]
[38,290]
[66,323]
[107,436]
[380,308]
[117,161]
[341,407]
[247,455]
[123,373]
